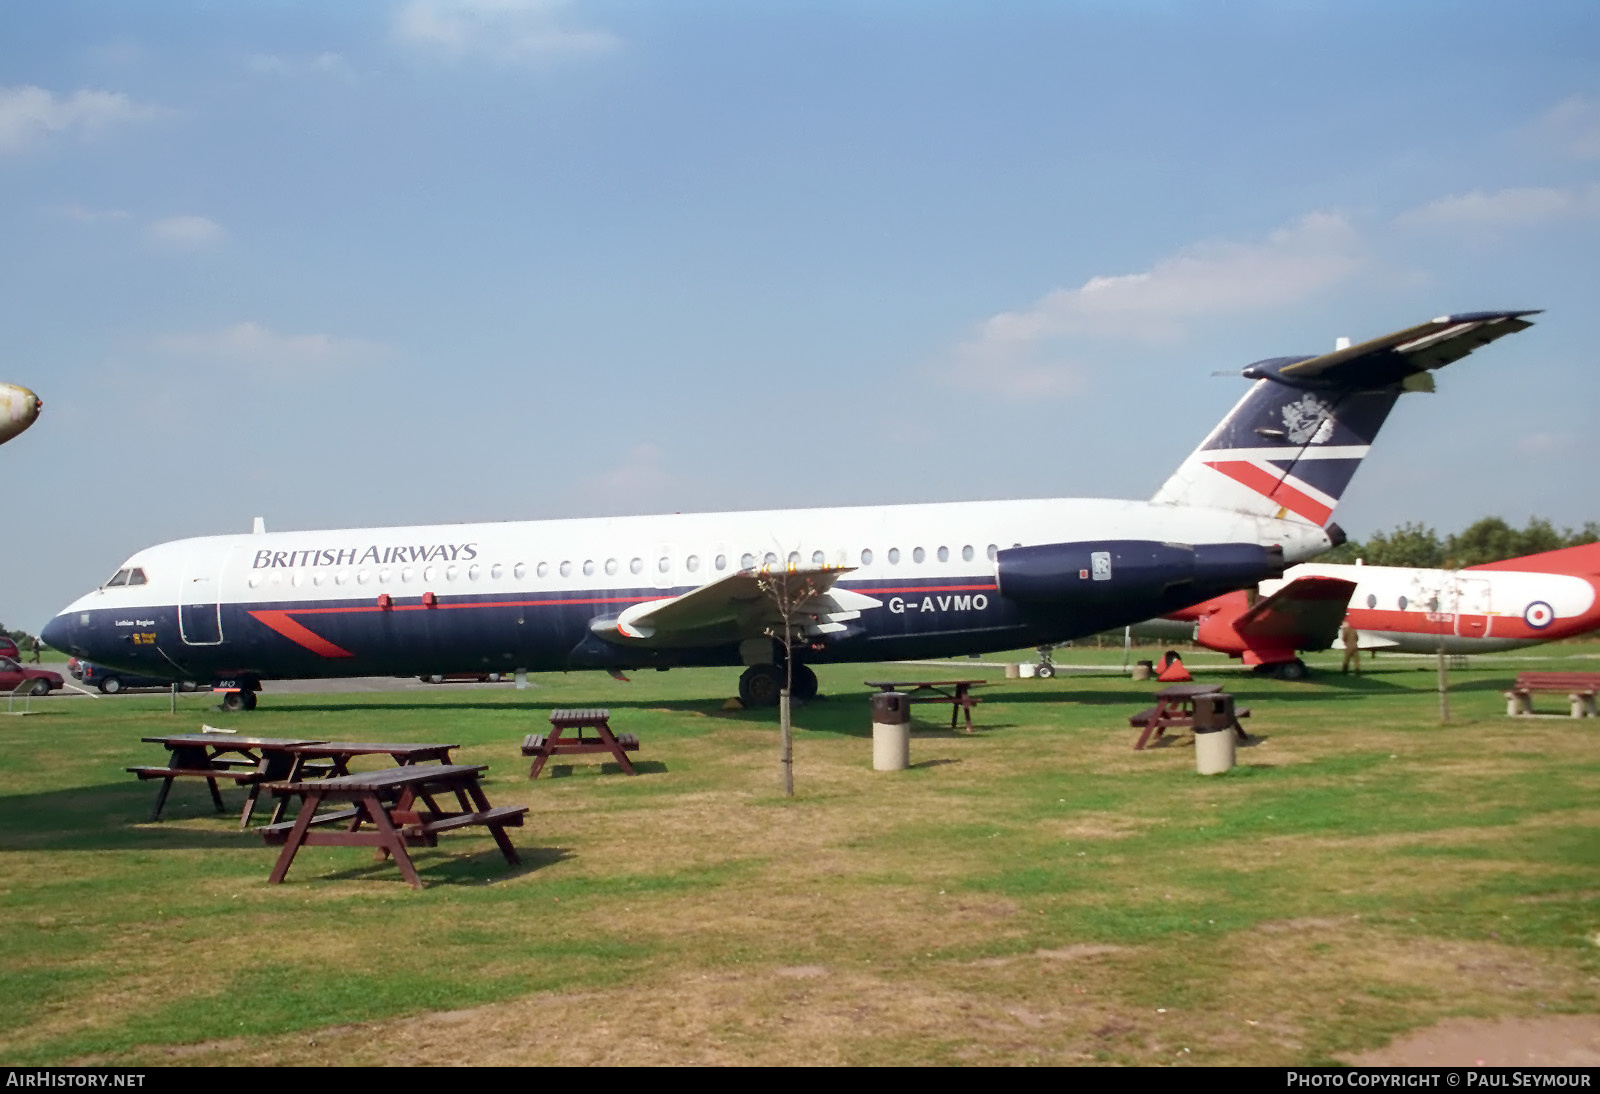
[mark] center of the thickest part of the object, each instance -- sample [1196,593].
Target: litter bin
[891,731]
[1143,670]
[1213,733]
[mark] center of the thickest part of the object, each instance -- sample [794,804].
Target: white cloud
[326,64]
[1543,444]
[1503,208]
[252,346]
[186,232]
[508,31]
[28,113]
[1574,126]
[84,215]
[1021,351]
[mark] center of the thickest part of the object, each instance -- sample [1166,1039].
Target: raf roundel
[1538,615]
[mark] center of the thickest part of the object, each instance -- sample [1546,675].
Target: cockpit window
[118,578]
[136,577]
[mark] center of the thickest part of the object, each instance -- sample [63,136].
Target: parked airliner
[1480,609]
[881,583]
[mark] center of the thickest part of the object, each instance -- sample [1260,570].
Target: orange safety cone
[1174,673]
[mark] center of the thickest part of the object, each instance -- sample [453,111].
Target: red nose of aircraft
[18,409]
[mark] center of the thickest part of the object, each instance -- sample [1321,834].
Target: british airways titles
[355,556]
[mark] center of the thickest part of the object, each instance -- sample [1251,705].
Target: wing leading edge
[742,605]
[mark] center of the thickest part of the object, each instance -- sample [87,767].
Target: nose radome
[57,633]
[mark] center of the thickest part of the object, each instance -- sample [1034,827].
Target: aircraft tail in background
[1290,447]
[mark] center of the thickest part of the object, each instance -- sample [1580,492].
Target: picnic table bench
[331,759]
[1580,689]
[958,693]
[243,760]
[395,805]
[542,746]
[1174,709]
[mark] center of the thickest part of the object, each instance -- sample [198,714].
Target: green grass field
[1037,892]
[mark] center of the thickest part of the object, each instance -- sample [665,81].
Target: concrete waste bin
[1143,670]
[891,731]
[1213,733]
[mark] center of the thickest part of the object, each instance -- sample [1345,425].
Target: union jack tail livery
[1290,447]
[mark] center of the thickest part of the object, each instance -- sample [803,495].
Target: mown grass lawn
[1035,892]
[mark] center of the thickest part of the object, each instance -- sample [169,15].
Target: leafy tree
[1407,545]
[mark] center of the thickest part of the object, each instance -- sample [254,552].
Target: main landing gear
[1285,670]
[762,685]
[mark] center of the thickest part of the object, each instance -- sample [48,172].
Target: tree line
[1488,540]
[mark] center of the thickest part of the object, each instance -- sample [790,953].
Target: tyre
[187,685]
[111,685]
[1292,670]
[249,699]
[805,683]
[492,678]
[760,686]
[234,700]
[40,687]
[1045,672]
[434,678]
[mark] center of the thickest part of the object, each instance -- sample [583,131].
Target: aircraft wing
[1403,356]
[744,604]
[1306,613]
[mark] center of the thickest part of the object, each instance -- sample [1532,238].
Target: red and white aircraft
[1479,609]
[19,407]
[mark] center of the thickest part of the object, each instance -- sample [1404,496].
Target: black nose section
[57,634]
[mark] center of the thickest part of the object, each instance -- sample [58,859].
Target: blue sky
[443,260]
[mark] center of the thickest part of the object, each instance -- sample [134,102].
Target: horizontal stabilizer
[1395,357]
[1582,561]
[1304,615]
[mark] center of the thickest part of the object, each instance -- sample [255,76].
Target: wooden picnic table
[934,691]
[1174,709]
[541,746]
[391,810]
[206,756]
[331,759]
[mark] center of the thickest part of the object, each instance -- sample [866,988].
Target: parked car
[8,648]
[111,680]
[461,677]
[75,668]
[14,676]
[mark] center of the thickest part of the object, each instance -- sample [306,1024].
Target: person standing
[1352,648]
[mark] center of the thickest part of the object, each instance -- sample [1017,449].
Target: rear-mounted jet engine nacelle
[1103,570]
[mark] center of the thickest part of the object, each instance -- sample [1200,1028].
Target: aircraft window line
[747,561]
[1372,600]
[1403,602]
[363,577]
[769,559]
[722,562]
[341,577]
[136,576]
[519,571]
[692,563]
[993,550]
[497,571]
[967,552]
[794,558]
[384,576]
[636,566]
[117,579]
[663,564]
[1433,604]
[427,575]
[894,556]
[566,568]
[449,573]
[588,567]
[944,554]
[611,566]
[543,569]
[318,578]
[473,571]
[817,557]
[866,556]
[918,554]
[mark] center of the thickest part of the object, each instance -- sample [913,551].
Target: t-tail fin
[1290,447]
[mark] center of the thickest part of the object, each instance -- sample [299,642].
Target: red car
[14,677]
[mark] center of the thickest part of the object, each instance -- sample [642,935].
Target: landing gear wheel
[1292,670]
[805,683]
[1045,671]
[760,686]
[111,685]
[234,700]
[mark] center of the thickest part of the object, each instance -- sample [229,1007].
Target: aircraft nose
[57,634]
